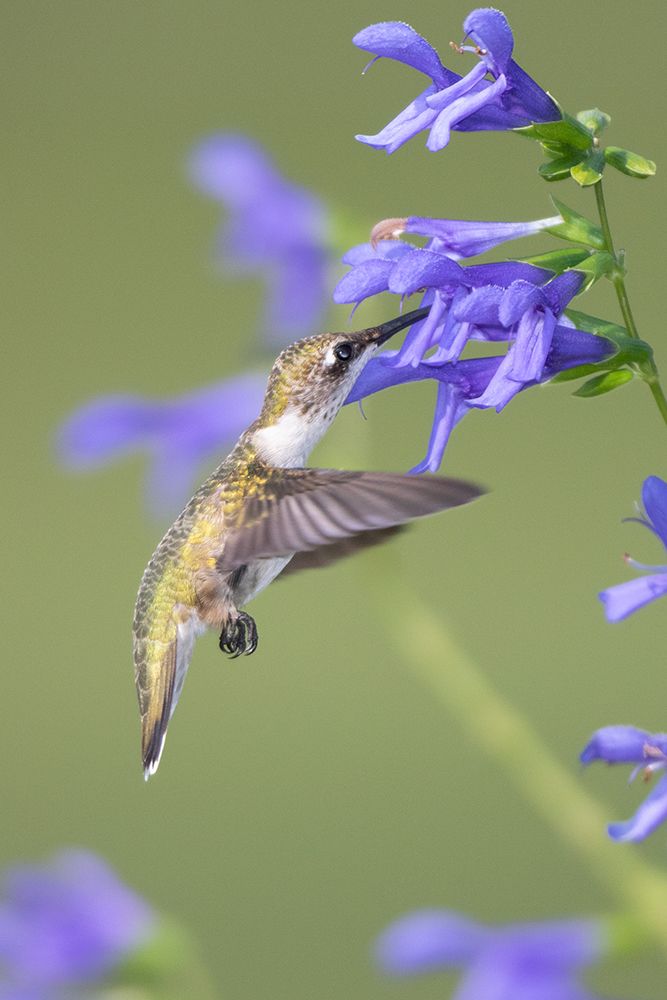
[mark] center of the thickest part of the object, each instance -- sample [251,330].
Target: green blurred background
[313,793]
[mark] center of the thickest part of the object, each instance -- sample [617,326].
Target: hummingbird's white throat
[288,443]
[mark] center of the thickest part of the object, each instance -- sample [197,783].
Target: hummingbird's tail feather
[160,670]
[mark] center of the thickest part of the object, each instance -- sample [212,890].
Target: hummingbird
[263,512]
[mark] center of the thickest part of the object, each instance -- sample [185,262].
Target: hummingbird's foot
[239,636]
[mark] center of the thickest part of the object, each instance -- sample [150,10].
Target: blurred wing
[301,510]
[328,554]
[159,672]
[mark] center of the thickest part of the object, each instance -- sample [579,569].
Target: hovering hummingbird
[262,510]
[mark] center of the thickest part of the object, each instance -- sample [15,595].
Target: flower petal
[620,745]
[654,498]
[412,120]
[396,40]
[449,409]
[467,238]
[490,30]
[429,939]
[369,278]
[424,269]
[625,598]
[651,813]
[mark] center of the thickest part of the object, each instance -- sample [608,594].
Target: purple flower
[508,301]
[178,434]
[67,923]
[462,383]
[495,95]
[621,600]
[533,961]
[273,227]
[648,752]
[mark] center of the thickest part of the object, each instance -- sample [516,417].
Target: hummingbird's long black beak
[388,330]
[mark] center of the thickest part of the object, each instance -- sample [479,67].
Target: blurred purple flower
[538,961]
[648,752]
[66,924]
[462,383]
[495,95]
[273,227]
[624,598]
[179,434]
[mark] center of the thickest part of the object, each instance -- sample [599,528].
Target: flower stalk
[649,372]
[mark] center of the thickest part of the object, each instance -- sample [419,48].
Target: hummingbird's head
[308,384]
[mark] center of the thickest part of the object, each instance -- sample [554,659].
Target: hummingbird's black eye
[343,352]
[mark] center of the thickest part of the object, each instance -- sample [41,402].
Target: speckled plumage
[262,503]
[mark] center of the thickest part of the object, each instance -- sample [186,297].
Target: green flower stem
[651,375]
[495,726]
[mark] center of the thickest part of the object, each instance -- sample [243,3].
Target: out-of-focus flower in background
[179,435]
[648,752]
[531,961]
[66,925]
[495,95]
[624,598]
[273,228]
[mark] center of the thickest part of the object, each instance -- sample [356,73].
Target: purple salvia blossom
[462,383]
[510,300]
[624,598]
[273,227]
[532,961]
[509,99]
[648,752]
[179,435]
[66,924]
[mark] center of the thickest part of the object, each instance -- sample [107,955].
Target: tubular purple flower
[460,384]
[538,961]
[179,434]
[648,752]
[625,598]
[510,99]
[68,923]
[273,227]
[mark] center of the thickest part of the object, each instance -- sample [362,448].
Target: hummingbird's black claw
[239,636]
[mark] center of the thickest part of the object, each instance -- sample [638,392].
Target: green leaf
[576,228]
[629,163]
[567,132]
[594,120]
[603,383]
[557,260]
[559,168]
[581,371]
[590,170]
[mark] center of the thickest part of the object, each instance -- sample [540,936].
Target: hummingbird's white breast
[288,443]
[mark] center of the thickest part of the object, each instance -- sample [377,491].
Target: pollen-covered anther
[387,229]
[654,752]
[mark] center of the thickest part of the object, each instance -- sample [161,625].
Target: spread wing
[328,554]
[303,510]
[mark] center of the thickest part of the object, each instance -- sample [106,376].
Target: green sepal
[593,324]
[629,163]
[566,134]
[557,260]
[631,351]
[576,228]
[559,168]
[601,384]
[594,120]
[570,374]
[589,171]
[597,265]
